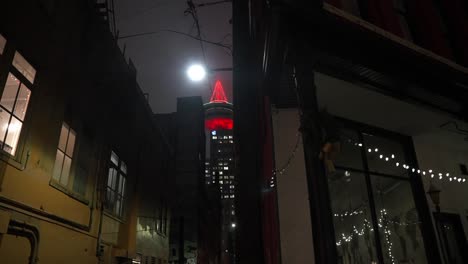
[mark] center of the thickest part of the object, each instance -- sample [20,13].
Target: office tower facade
[220,164]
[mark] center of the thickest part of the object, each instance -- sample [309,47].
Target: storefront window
[374,213]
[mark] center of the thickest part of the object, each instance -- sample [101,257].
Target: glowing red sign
[218,95]
[219,123]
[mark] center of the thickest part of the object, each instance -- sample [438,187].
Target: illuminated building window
[230,141]
[232,196]
[214,173]
[225,137]
[206,171]
[64,156]
[220,173]
[2,44]
[116,181]
[226,168]
[231,177]
[220,182]
[13,106]
[230,137]
[23,67]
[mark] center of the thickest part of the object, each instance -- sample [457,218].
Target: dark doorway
[452,237]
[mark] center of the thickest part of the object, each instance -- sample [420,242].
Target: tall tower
[220,164]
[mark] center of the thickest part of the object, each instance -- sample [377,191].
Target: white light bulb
[386,158]
[430,171]
[370,150]
[376,150]
[397,164]
[360,144]
[459,180]
[448,174]
[381,156]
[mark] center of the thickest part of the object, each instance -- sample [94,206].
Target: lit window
[14,103]
[116,180]
[220,164]
[225,137]
[230,137]
[2,44]
[231,177]
[215,137]
[232,195]
[206,171]
[226,168]
[24,67]
[230,141]
[220,173]
[220,182]
[64,156]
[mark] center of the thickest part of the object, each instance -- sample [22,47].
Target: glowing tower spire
[218,95]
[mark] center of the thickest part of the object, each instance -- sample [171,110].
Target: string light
[413,169]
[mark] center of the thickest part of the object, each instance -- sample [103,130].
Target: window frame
[68,188]
[414,179]
[111,210]
[19,159]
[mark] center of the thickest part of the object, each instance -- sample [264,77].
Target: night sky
[161,59]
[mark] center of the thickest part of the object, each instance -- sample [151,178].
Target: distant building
[219,126]
[195,232]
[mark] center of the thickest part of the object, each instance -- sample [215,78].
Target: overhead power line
[229,48]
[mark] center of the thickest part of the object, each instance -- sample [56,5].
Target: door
[452,238]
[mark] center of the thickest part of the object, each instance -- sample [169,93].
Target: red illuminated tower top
[218,112]
[218,95]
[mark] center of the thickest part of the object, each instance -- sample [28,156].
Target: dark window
[116,182]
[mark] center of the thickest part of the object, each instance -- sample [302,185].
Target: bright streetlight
[196,72]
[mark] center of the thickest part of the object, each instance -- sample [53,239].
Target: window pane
[65,171]
[9,92]
[22,102]
[24,67]
[111,178]
[123,186]
[123,167]
[355,238]
[120,187]
[63,137]
[4,120]
[388,153]
[350,154]
[117,206]
[58,165]
[14,131]
[114,158]
[71,143]
[2,44]
[399,223]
